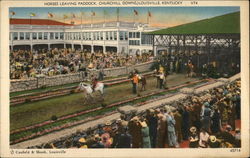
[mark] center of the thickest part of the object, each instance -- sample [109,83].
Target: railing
[46,81]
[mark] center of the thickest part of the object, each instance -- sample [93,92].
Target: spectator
[161,130]
[145,135]
[171,130]
[213,142]
[193,138]
[204,136]
[98,142]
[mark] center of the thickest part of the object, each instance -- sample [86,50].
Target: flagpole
[118,15]
[81,32]
[31,47]
[148,18]
[104,16]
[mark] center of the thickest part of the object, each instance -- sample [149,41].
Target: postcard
[124,78]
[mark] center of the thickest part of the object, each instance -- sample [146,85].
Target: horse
[88,88]
[91,96]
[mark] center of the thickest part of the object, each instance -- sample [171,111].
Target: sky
[160,16]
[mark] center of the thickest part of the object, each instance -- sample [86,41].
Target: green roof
[224,24]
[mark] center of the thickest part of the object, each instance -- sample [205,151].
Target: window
[45,35]
[111,35]
[121,35]
[34,35]
[130,35]
[134,42]
[107,35]
[126,35]
[98,35]
[56,35]
[21,35]
[94,34]
[137,34]
[61,35]
[115,35]
[27,37]
[133,35]
[51,35]
[101,35]
[15,35]
[83,35]
[40,35]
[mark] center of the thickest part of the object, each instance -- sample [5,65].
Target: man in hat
[123,139]
[227,136]
[145,135]
[178,120]
[171,130]
[152,122]
[135,81]
[82,143]
[135,131]
[206,116]
[161,130]
[216,121]
[98,142]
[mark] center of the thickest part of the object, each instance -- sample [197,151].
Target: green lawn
[31,113]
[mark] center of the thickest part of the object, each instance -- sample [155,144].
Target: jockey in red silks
[94,83]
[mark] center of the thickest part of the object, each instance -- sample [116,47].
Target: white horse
[88,88]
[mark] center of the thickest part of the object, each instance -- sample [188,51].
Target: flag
[73,15]
[149,14]
[105,12]
[117,14]
[135,12]
[82,13]
[65,16]
[50,15]
[117,11]
[12,13]
[32,14]
[93,13]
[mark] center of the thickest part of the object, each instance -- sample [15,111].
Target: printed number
[234,150]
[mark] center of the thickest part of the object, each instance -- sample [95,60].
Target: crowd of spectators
[206,65]
[205,120]
[25,64]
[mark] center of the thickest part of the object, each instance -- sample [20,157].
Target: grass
[35,112]
[91,114]
[14,94]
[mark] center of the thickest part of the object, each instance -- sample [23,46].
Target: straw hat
[194,100]
[135,119]
[151,110]
[212,138]
[82,140]
[124,123]
[143,124]
[108,123]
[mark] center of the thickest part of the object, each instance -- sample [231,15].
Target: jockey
[94,83]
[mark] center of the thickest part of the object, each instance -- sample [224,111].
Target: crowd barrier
[49,81]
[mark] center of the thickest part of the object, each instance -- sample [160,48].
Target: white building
[121,37]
